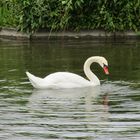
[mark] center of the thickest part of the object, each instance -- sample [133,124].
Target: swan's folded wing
[66,80]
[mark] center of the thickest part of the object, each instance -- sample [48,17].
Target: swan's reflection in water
[73,93]
[64,97]
[70,110]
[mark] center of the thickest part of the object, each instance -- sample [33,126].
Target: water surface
[108,112]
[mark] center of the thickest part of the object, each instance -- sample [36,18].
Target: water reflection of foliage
[45,58]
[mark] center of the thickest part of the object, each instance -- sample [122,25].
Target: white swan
[70,80]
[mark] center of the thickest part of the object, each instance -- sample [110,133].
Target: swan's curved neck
[90,75]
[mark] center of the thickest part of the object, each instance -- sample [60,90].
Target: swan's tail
[35,81]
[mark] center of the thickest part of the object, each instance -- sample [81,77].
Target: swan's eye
[105,65]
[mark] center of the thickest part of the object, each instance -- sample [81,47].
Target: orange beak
[106,70]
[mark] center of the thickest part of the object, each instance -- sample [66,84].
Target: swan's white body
[69,80]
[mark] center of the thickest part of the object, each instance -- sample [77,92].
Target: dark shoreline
[13,34]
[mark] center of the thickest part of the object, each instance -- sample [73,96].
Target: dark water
[108,112]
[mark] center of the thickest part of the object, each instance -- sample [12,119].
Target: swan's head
[97,59]
[103,63]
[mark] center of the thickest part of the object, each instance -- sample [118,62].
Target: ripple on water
[108,112]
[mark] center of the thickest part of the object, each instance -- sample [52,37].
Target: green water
[108,112]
